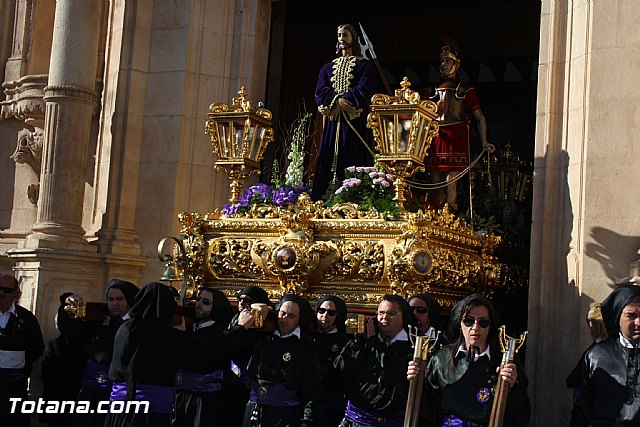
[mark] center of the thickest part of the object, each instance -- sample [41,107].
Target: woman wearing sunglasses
[331,337]
[461,375]
[427,311]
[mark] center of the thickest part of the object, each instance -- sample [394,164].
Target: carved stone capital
[24,98]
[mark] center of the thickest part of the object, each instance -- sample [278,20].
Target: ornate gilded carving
[310,250]
[295,256]
[231,258]
[357,261]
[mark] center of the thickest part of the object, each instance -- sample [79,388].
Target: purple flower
[246,197]
[230,209]
[351,182]
[285,195]
[263,191]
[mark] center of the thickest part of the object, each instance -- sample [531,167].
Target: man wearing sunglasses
[199,382]
[21,344]
[374,370]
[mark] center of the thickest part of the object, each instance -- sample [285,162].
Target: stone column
[70,103]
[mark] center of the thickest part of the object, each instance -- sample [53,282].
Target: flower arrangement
[279,193]
[263,194]
[370,188]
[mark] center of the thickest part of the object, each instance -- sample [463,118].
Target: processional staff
[510,347]
[422,348]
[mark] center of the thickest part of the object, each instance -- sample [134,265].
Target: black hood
[434,310]
[341,308]
[153,301]
[256,293]
[613,305]
[128,289]
[221,311]
[305,310]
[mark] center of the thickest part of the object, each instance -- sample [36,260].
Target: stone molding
[24,98]
[55,93]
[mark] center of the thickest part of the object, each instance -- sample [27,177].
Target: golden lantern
[239,135]
[403,127]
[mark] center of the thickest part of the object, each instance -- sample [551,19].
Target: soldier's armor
[450,99]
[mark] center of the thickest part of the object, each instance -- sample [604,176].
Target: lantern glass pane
[254,143]
[388,136]
[225,141]
[404,129]
[421,139]
[238,143]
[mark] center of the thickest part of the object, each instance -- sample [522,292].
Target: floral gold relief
[307,249]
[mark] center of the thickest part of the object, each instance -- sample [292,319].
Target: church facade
[102,145]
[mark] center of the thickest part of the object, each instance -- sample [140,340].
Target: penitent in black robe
[201,408]
[610,380]
[292,362]
[96,342]
[376,375]
[466,391]
[329,346]
[147,351]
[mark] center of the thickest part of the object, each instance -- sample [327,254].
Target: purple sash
[11,374]
[367,418]
[95,375]
[453,421]
[205,383]
[160,397]
[274,395]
